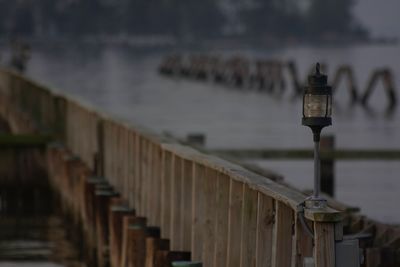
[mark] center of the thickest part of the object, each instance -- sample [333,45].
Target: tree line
[179,18]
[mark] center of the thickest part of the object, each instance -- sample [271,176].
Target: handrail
[223,213]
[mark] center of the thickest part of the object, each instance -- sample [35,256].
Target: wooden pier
[146,200]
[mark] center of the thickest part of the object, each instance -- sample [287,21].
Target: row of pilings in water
[272,76]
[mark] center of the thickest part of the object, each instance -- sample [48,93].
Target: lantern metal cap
[318,79]
[318,83]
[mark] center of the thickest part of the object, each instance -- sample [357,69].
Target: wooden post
[166,179]
[89,215]
[117,213]
[127,222]
[136,248]
[222,219]
[136,256]
[265,227]
[389,86]
[235,223]
[152,246]
[283,236]
[249,227]
[327,144]
[324,249]
[327,229]
[103,198]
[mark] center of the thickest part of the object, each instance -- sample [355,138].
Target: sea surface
[125,82]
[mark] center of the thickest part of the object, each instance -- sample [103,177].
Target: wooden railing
[221,212]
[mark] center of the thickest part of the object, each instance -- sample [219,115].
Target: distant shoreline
[166,41]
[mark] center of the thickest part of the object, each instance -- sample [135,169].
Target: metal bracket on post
[309,262]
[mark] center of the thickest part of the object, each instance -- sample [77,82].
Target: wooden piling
[152,246]
[388,82]
[127,223]
[116,215]
[102,205]
[136,255]
[89,219]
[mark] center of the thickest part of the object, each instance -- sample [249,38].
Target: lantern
[317,112]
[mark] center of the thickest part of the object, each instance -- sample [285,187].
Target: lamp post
[317,111]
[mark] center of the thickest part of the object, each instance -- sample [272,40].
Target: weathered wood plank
[186,205]
[136,256]
[207,216]
[116,215]
[113,145]
[277,191]
[152,246]
[157,185]
[129,222]
[283,236]
[222,219]
[176,198]
[304,242]
[151,185]
[126,163]
[166,195]
[119,158]
[197,210]
[249,228]
[144,156]
[138,173]
[132,176]
[106,148]
[235,223]
[324,249]
[143,174]
[265,225]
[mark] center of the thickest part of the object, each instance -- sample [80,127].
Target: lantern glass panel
[329,113]
[317,106]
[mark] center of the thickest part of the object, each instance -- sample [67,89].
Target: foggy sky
[381,17]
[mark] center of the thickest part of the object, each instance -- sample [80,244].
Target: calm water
[124,82]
